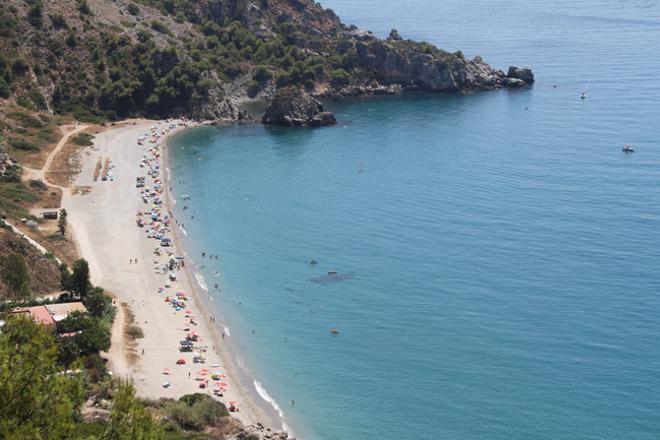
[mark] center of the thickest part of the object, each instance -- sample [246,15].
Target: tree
[61,222]
[80,278]
[14,274]
[98,303]
[65,278]
[38,401]
[128,419]
[91,336]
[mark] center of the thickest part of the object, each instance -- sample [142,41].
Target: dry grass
[61,247]
[129,342]
[35,133]
[81,190]
[66,165]
[97,169]
[106,168]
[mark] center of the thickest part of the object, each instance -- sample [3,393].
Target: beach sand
[106,234]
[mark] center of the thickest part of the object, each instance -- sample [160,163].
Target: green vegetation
[159,26]
[99,72]
[14,275]
[38,400]
[42,399]
[90,335]
[13,198]
[61,221]
[193,412]
[76,281]
[133,9]
[22,144]
[83,139]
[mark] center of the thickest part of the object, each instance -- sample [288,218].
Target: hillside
[110,59]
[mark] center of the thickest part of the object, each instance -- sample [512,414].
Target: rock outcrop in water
[518,77]
[293,107]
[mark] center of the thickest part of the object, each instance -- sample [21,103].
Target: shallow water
[500,252]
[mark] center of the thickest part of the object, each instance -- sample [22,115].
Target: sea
[497,255]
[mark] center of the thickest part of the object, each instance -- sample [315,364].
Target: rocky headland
[204,59]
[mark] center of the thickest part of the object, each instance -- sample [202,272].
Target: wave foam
[267,397]
[200,281]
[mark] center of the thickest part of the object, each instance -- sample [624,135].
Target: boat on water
[332,272]
[627,148]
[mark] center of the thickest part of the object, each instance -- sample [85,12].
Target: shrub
[38,185]
[159,26]
[262,74]
[133,9]
[35,14]
[196,411]
[22,144]
[5,91]
[19,67]
[135,332]
[339,77]
[58,20]
[83,7]
[83,139]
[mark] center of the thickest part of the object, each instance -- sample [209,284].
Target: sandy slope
[107,236]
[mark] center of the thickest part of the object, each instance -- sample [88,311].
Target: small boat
[584,95]
[334,331]
[627,148]
[332,272]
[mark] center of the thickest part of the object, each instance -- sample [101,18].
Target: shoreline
[109,239]
[227,350]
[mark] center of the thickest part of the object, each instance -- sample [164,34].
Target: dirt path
[67,132]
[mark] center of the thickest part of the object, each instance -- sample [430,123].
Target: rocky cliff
[106,59]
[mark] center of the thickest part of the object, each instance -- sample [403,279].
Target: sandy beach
[123,261]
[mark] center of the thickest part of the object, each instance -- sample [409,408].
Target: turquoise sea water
[501,253]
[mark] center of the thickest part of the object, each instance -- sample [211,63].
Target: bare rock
[292,107]
[394,35]
[521,73]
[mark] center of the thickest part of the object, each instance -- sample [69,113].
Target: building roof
[61,311]
[39,314]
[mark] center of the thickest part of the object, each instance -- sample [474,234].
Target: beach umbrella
[166,371]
